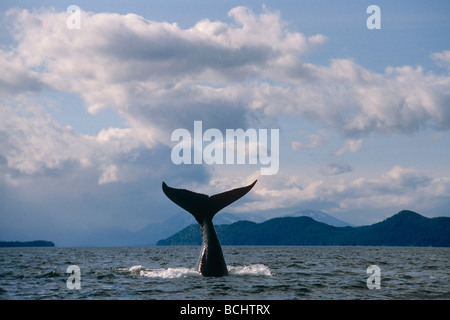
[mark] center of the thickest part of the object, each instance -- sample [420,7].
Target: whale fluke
[202,205]
[203,208]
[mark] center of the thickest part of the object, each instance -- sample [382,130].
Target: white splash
[253,269]
[169,273]
[180,272]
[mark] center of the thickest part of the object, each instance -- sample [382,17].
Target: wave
[180,272]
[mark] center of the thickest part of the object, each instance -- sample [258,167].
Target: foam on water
[180,272]
[253,269]
[169,273]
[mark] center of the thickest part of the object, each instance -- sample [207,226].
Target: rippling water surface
[254,273]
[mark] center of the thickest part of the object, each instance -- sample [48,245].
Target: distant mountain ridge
[406,228]
[152,233]
[320,216]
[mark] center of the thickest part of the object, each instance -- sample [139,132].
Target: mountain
[151,233]
[406,228]
[34,243]
[321,217]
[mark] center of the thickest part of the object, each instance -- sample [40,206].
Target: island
[35,243]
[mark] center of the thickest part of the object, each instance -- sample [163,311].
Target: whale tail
[202,206]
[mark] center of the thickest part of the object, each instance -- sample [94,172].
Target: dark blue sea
[273,273]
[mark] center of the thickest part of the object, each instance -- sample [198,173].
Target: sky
[87,114]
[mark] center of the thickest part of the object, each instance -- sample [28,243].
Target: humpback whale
[203,208]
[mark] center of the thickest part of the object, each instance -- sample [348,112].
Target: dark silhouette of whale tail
[203,208]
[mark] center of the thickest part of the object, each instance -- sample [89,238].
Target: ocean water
[274,273]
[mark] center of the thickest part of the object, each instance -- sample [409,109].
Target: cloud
[392,191]
[15,77]
[109,175]
[160,77]
[251,67]
[336,169]
[155,75]
[33,142]
[407,177]
[315,141]
[350,145]
[442,58]
[143,50]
